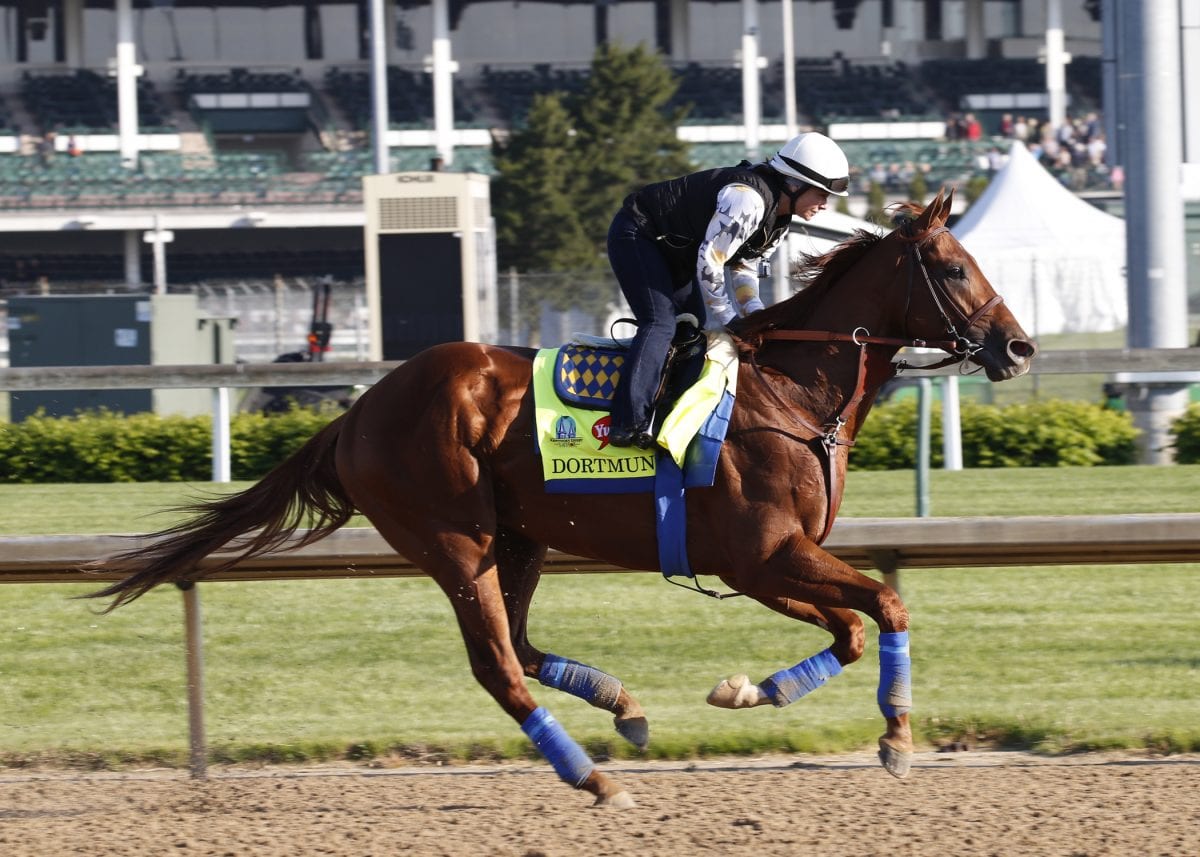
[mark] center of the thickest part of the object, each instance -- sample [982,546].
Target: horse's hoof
[620,800]
[895,762]
[737,692]
[635,730]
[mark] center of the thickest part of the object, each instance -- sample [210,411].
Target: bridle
[957,346]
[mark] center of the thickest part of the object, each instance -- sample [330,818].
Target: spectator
[73,147]
[1020,129]
[953,127]
[1006,125]
[45,149]
[1066,134]
[973,130]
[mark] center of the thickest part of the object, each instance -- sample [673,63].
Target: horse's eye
[955,272]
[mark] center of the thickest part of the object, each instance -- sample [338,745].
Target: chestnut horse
[439,456]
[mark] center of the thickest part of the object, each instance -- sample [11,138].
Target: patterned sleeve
[740,210]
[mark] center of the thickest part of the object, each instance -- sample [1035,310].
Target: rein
[958,347]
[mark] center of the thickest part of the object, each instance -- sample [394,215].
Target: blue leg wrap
[566,757]
[787,686]
[895,674]
[588,683]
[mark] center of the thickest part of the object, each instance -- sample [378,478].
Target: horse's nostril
[1020,349]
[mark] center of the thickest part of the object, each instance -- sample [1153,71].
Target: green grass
[144,506]
[1050,658]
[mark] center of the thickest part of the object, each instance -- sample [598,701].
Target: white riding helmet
[815,159]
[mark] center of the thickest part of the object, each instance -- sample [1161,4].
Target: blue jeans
[646,282]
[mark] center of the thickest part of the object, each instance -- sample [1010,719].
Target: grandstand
[255,122]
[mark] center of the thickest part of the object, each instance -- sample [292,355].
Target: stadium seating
[410,97]
[83,100]
[186,267]
[951,79]
[827,90]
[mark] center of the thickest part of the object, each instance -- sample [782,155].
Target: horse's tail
[304,489]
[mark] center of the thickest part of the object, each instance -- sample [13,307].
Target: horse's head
[914,286]
[949,299]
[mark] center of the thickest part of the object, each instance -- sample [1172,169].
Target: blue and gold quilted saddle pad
[585,377]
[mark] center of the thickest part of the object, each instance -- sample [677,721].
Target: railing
[884,543]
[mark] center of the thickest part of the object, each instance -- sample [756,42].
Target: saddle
[587,370]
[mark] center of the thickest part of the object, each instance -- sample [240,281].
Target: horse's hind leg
[520,561]
[480,608]
[461,559]
[787,686]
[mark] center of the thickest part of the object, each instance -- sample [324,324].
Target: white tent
[1058,261]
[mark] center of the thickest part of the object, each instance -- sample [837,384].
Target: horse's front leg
[787,686]
[800,570]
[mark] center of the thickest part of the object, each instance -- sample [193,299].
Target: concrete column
[389,31]
[1154,226]
[751,96]
[379,88]
[133,258]
[681,47]
[1109,62]
[1191,82]
[974,30]
[158,239]
[443,92]
[72,22]
[127,74]
[1056,62]
[789,70]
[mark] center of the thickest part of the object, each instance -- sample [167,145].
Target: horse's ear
[934,215]
[947,202]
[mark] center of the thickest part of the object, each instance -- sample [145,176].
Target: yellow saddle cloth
[572,436]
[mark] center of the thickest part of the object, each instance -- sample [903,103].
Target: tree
[918,189]
[877,204]
[538,227]
[626,132]
[564,175]
[537,221]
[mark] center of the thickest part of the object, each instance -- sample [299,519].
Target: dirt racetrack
[973,803]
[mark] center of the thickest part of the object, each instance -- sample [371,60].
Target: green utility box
[113,330]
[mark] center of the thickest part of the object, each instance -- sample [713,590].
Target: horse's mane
[817,276]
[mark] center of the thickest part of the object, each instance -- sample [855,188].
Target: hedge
[1042,434]
[107,447]
[1185,433]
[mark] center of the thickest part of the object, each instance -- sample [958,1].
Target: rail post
[221,469]
[194,644]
